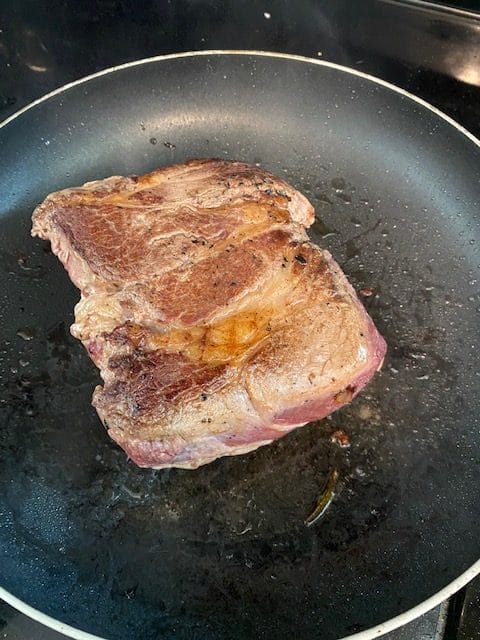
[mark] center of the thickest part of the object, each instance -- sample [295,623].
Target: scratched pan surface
[223,552]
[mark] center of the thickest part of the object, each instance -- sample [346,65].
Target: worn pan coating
[223,552]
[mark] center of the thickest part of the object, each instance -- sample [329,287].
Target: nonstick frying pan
[223,552]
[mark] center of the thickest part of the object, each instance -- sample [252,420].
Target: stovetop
[432,50]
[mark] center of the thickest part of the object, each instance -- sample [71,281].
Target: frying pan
[93,542]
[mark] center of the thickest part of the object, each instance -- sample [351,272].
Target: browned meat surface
[216,325]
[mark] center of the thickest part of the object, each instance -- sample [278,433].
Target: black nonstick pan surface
[223,552]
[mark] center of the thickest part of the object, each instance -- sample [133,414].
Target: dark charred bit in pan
[130,593]
[341,438]
[366,292]
[325,499]
[169,145]
[203,396]
[26,333]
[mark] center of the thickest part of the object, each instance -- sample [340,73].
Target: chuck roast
[216,324]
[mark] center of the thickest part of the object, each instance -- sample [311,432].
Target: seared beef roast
[216,324]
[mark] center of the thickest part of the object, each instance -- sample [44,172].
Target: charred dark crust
[146,382]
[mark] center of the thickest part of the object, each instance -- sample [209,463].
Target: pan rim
[454,585]
[245,52]
[368,634]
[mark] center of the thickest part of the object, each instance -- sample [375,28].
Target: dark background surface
[433,53]
[430,51]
